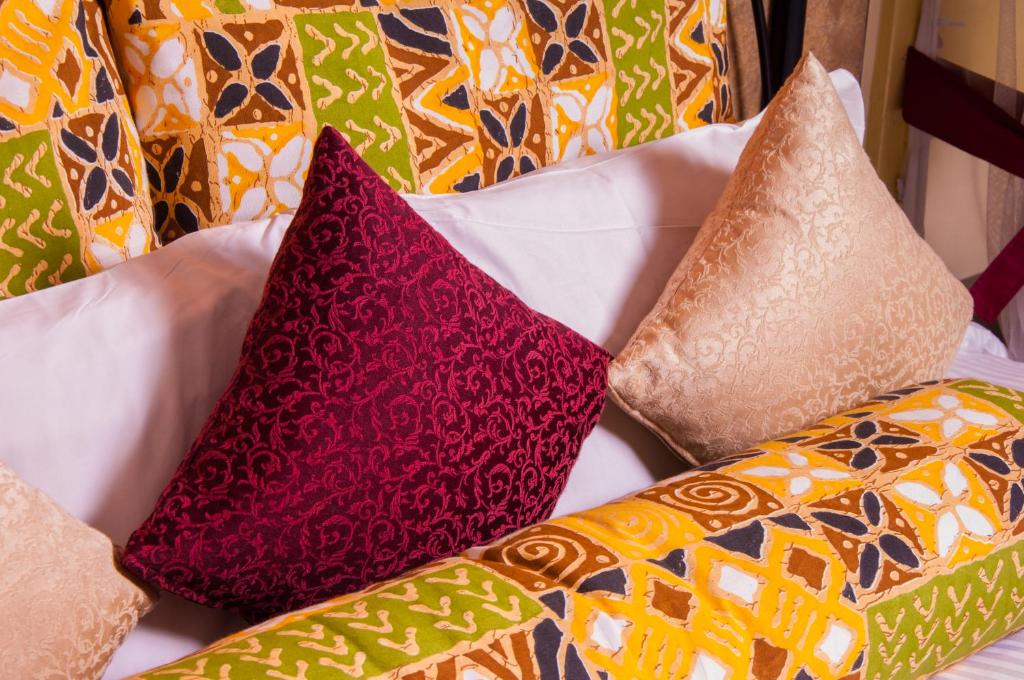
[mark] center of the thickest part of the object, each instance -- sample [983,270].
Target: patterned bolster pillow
[883,542]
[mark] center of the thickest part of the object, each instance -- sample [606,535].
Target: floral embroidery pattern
[495,43]
[169,100]
[953,506]
[799,474]
[950,412]
[584,123]
[280,154]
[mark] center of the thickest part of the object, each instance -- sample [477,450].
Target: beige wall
[892,27]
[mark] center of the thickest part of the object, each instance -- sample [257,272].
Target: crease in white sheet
[983,356]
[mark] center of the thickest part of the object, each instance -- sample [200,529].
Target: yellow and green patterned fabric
[73,197]
[438,96]
[885,542]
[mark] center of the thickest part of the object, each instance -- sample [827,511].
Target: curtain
[1005,201]
[915,175]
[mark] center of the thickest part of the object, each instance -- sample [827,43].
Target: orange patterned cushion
[437,95]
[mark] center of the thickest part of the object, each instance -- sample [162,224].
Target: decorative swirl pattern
[548,554]
[713,500]
[392,405]
[634,527]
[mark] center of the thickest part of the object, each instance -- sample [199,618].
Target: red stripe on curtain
[938,101]
[1000,282]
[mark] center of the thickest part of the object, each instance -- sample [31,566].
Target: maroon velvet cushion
[393,404]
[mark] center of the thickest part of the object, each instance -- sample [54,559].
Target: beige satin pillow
[65,605]
[805,292]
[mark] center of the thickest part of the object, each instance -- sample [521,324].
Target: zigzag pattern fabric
[73,198]
[884,542]
[438,96]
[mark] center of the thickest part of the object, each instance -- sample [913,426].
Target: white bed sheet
[982,356]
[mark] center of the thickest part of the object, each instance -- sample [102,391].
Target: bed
[108,379]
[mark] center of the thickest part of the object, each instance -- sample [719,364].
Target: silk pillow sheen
[67,604]
[393,404]
[805,291]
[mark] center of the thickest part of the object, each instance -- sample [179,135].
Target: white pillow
[106,380]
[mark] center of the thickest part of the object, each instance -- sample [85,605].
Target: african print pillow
[439,96]
[884,542]
[73,198]
[805,291]
[393,404]
[66,603]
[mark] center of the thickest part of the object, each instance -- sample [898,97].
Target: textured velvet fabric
[393,404]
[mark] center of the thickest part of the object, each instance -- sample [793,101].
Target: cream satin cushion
[805,292]
[65,604]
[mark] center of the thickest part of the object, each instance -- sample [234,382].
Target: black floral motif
[506,124]
[870,444]
[872,538]
[174,168]
[573,36]
[95,153]
[507,136]
[251,75]
[264,64]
